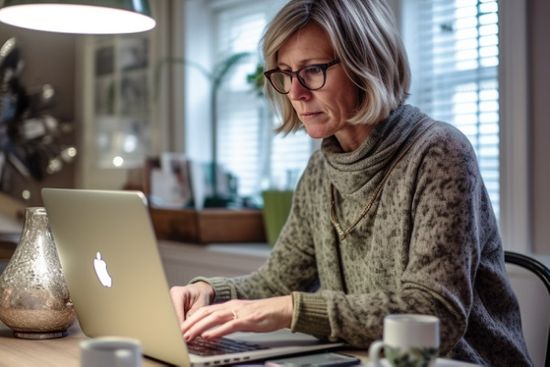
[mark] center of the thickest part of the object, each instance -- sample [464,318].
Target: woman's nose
[298,91]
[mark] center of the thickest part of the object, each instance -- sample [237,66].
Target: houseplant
[216,76]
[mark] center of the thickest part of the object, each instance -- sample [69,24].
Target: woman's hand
[190,298]
[217,320]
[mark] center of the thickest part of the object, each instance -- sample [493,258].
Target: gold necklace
[343,233]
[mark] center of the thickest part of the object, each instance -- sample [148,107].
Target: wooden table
[63,352]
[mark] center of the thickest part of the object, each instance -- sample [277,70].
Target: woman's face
[323,112]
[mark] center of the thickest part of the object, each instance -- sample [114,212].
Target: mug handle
[374,353]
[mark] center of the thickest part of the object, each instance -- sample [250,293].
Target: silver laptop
[111,263]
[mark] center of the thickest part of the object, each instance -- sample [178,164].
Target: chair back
[531,283]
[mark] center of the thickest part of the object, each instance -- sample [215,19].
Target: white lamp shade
[79,16]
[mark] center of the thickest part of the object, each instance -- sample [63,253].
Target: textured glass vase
[34,299]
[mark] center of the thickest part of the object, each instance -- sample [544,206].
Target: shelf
[209,225]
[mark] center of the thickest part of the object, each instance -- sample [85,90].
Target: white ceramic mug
[110,352]
[409,340]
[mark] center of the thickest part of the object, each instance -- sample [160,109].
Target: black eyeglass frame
[296,73]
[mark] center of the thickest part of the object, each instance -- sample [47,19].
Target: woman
[390,216]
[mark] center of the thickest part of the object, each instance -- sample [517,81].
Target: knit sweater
[429,244]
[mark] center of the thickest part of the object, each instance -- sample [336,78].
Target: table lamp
[79,16]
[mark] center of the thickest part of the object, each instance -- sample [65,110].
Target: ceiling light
[85,16]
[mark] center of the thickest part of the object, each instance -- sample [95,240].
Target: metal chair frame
[537,268]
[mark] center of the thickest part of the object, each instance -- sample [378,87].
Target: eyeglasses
[311,77]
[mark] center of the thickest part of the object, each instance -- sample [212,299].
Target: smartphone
[315,360]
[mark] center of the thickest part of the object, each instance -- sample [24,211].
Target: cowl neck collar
[350,171]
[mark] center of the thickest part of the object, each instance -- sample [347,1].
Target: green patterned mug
[409,341]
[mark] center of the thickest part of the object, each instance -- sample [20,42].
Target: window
[246,143]
[469,68]
[241,135]
[453,47]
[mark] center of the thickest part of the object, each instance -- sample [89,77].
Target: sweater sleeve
[290,266]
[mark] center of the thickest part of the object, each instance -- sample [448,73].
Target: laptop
[108,252]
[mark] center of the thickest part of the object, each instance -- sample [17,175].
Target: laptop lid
[109,255]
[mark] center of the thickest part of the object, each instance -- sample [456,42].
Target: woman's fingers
[202,301]
[224,329]
[189,298]
[238,315]
[192,310]
[195,316]
[176,294]
[205,319]
[249,322]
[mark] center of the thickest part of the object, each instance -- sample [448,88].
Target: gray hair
[365,40]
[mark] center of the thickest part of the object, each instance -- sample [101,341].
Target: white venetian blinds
[455,76]
[239,130]
[247,146]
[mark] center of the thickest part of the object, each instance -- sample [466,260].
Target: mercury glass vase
[34,299]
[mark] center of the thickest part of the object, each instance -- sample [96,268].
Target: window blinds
[456,76]
[247,146]
[238,134]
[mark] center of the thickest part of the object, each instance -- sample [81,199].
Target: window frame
[514,136]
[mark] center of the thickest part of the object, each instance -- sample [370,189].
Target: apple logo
[100,267]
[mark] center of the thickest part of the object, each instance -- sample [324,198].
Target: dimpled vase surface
[34,299]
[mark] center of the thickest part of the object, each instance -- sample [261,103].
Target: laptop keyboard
[205,347]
